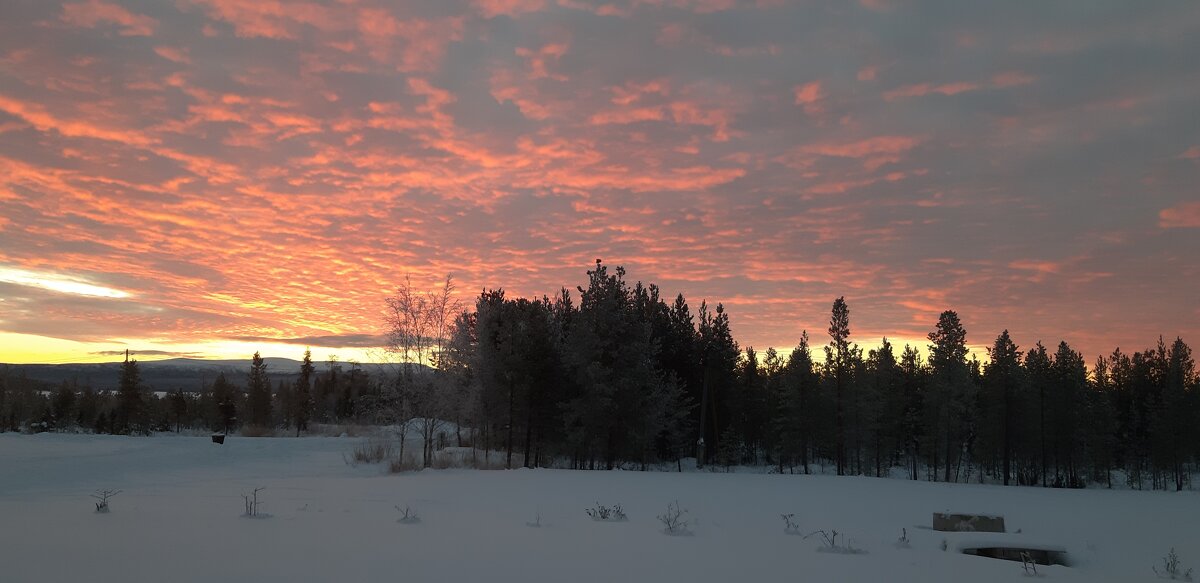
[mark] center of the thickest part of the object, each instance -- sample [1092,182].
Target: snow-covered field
[178,520]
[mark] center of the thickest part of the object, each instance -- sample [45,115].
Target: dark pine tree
[224,396]
[718,357]
[1002,378]
[258,394]
[1038,372]
[837,361]
[302,403]
[950,381]
[130,415]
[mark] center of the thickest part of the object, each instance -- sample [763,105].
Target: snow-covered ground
[178,520]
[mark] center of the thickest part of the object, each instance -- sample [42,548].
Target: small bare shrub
[487,463]
[790,526]
[339,430]
[443,462]
[372,451]
[903,542]
[607,514]
[674,523]
[537,521]
[409,463]
[1028,564]
[1173,569]
[408,515]
[253,506]
[830,539]
[103,496]
[257,431]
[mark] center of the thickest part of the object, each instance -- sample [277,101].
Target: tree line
[617,375]
[319,394]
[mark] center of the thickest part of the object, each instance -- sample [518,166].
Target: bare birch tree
[419,325]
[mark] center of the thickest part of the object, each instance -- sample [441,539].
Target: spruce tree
[1038,371]
[130,414]
[1002,377]
[1175,426]
[884,406]
[950,378]
[800,416]
[913,375]
[258,393]
[1069,391]
[837,361]
[225,401]
[718,356]
[302,396]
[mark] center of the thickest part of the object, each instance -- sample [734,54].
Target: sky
[214,177]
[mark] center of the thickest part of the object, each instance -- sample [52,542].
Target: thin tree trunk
[702,455]
[509,445]
[528,434]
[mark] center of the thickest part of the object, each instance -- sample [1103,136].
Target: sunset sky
[215,177]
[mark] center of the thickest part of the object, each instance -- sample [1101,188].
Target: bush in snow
[674,521]
[1172,569]
[253,506]
[790,526]
[407,515]
[536,522]
[604,513]
[372,451]
[903,542]
[830,538]
[103,496]
[1028,564]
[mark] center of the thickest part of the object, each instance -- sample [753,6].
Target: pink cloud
[540,58]
[413,45]
[1036,265]
[697,6]
[840,186]
[673,34]
[94,12]
[350,119]
[1183,215]
[718,119]
[271,18]
[922,89]
[37,116]
[493,8]
[809,96]
[627,116]
[869,147]
[677,34]
[635,91]
[173,54]
[1011,79]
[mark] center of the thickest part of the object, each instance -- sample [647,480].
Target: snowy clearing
[178,519]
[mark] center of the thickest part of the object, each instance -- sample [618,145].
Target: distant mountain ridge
[189,374]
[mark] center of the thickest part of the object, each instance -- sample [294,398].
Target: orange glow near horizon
[212,178]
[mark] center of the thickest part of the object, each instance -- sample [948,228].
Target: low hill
[189,374]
